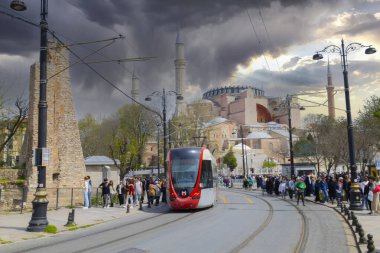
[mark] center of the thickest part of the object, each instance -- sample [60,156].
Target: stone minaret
[330,93]
[66,167]
[180,74]
[135,87]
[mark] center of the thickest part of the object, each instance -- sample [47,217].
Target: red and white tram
[192,178]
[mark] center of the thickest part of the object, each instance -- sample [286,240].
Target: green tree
[269,164]
[230,160]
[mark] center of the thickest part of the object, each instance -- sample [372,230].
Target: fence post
[22,199]
[57,199]
[72,196]
[97,190]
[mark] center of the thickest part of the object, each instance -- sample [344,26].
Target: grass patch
[51,229]
[5,242]
[87,226]
[72,227]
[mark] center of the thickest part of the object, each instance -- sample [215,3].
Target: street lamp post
[158,150]
[39,220]
[289,107]
[291,151]
[163,95]
[355,195]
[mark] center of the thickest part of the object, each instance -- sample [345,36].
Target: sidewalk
[370,223]
[13,226]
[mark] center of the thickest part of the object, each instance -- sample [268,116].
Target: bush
[51,229]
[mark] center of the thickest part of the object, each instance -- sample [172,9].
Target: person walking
[120,190]
[112,193]
[368,192]
[130,193]
[105,192]
[86,186]
[282,189]
[323,187]
[300,187]
[138,191]
[151,193]
[89,193]
[163,190]
[331,188]
[363,184]
[376,201]
[291,188]
[339,191]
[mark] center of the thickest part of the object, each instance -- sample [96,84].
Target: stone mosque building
[223,112]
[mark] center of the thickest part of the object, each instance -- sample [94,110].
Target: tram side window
[206,176]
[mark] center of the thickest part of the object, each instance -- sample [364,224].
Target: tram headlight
[201,185]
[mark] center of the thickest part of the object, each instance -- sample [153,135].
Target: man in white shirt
[138,191]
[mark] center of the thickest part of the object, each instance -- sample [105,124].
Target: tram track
[301,243]
[124,225]
[262,227]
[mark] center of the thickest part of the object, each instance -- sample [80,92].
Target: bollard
[346,211]
[358,226]
[128,208]
[370,244]
[362,238]
[341,208]
[71,218]
[349,217]
[140,205]
[354,219]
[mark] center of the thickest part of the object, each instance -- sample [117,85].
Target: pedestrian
[347,188]
[263,185]
[158,192]
[323,187]
[308,185]
[282,189]
[120,190]
[291,187]
[300,188]
[331,189]
[105,192]
[112,192]
[138,191]
[339,191]
[89,193]
[368,192]
[363,184]
[376,201]
[151,193]
[163,190]
[130,193]
[85,186]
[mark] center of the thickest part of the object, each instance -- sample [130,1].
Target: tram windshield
[184,167]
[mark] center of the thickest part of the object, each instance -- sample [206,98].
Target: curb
[346,220]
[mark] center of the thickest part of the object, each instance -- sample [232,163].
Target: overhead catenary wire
[258,39]
[106,80]
[268,36]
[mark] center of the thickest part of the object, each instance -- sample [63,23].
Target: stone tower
[135,87]
[330,92]
[180,74]
[66,167]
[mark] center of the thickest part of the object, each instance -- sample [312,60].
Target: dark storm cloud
[218,36]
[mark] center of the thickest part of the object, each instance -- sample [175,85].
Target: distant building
[100,167]
[247,105]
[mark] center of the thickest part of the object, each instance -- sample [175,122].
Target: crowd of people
[323,188]
[129,191]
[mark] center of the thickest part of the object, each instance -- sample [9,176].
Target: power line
[105,79]
[269,38]
[258,39]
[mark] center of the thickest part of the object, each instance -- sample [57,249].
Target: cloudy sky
[223,47]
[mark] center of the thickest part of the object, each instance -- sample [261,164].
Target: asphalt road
[240,222]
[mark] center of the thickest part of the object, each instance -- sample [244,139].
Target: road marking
[223,198]
[250,201]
